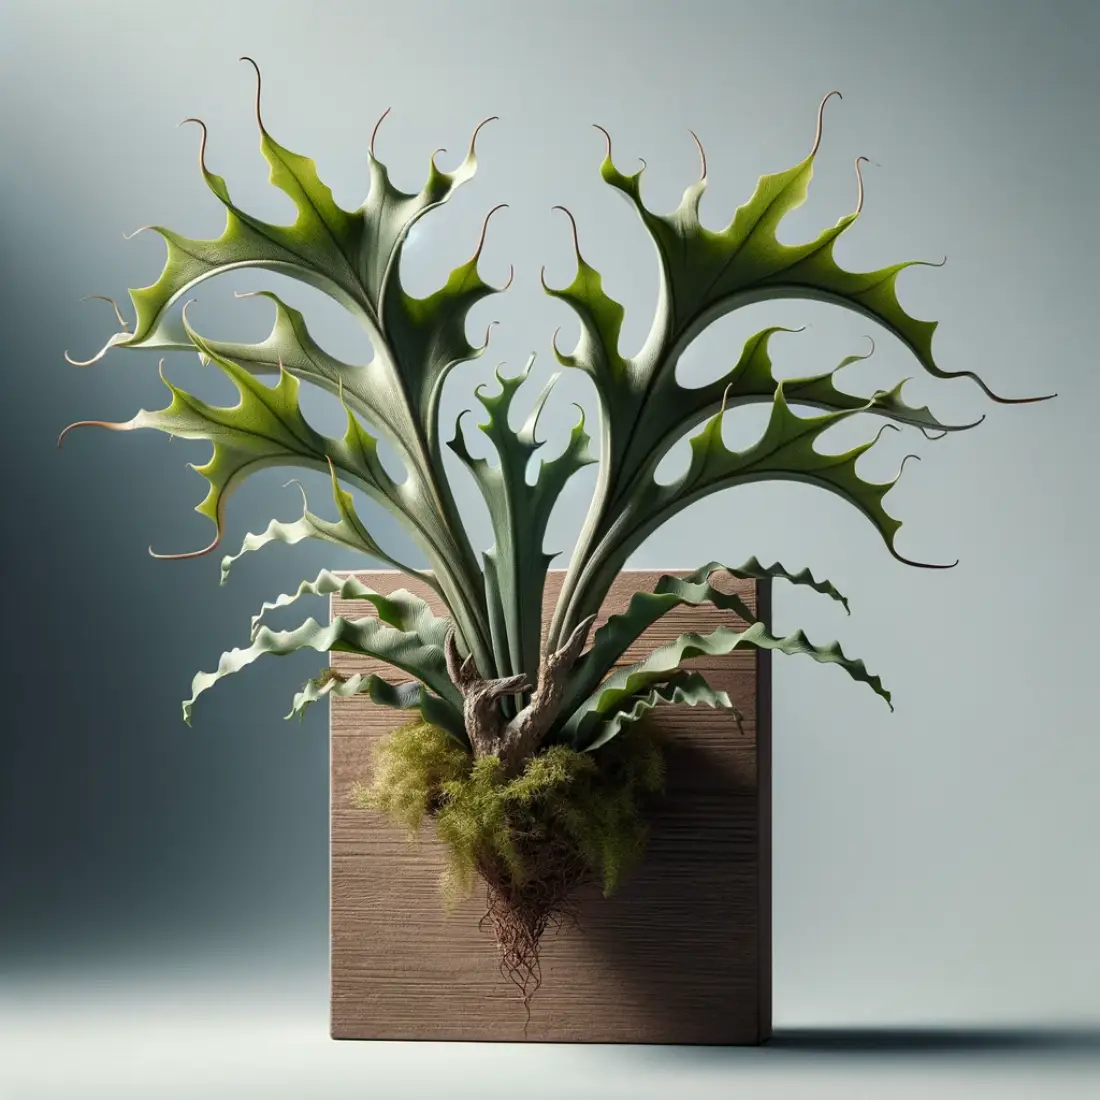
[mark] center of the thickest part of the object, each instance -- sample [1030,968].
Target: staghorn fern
[484,675]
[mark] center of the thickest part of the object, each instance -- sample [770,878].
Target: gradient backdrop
[163,891]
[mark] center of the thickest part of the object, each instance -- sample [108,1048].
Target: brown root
[520,909]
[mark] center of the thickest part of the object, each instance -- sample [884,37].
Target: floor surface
[180,1036]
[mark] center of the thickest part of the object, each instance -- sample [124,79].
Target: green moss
[589,803]
[410,766]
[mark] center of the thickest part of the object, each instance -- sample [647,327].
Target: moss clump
[411,765]
[569,818]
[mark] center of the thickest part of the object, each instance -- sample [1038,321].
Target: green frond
[703,275]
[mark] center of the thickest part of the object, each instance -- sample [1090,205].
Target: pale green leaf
[347,531]
[399,609]
[666,661]
[680,687]
[622,630]
[417,652]
[411,695]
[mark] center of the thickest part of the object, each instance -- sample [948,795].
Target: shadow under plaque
[681,954]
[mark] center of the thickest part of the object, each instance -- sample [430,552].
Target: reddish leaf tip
[477,130]
[859,182]
[259,81]
[820,119]
[607,138]
[573,227]
[485,226]
[113,304]
[702,155]
[188,554]
[202,142]
[374,132]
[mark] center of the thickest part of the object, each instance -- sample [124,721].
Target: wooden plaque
[681,954]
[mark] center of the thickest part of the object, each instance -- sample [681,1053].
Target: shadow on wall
[680,937]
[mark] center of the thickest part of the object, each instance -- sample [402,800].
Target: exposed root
[519,911]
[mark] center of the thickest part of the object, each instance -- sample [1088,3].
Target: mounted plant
[525,747]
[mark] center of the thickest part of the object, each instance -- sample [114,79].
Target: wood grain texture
[681,954]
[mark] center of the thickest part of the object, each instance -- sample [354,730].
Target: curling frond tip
[188,554]
[477,130]
[374,132]
[859,181]
[702,155]
[821,118]
[572,226]
[259,82]
[112,303]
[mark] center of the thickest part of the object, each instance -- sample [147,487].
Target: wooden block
[681,954]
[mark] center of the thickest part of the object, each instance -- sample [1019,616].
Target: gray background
[164,890]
